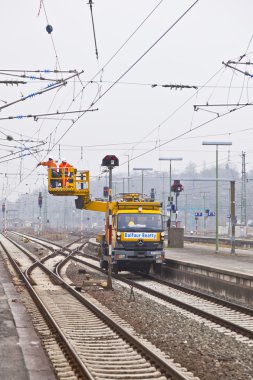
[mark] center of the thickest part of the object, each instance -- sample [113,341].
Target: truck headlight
[158,258]
[120,256]
[162,235]
[118,235]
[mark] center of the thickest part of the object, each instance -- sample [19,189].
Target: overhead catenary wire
[31,77]
[236,69]
[38,116]
[133,65]
[196,106]
[152,141]
[53,86]
[45,71]
[185,133]
[147,51]
[127,40]
[97,99]
[12,82]
[21,149]
[176,110]
[51,36]
[15,158]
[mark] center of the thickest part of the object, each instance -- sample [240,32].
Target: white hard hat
[64,160]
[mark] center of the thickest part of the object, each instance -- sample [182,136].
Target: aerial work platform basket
[69,182]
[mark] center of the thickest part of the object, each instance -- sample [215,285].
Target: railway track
[236,319]
[98,346]
[233,318]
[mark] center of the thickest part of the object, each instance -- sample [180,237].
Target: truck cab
[137,236]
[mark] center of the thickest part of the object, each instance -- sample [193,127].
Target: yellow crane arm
[95,206]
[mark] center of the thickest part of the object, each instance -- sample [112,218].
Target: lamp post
[217,143]
[170,159]
[142,170]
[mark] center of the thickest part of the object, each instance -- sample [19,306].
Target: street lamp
[142,170]
[217,143]
[170,159]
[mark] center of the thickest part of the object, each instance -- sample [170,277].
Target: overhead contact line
[37,116]
[51,86]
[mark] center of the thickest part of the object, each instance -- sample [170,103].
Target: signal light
[177,187]
[110,161]
[106,191]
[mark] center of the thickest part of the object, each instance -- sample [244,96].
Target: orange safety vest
[49,164]
[64,165]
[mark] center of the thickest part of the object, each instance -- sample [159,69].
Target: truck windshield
[151,222]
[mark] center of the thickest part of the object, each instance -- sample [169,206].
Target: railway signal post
[110,162]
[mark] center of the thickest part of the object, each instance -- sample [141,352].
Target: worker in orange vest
[51,165]
[64,171]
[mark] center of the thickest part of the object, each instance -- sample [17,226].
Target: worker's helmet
[64,160]
[50,158]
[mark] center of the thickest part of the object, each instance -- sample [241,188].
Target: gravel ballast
[206,352]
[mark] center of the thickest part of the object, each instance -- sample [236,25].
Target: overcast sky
[134,119]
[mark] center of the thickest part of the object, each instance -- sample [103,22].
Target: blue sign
[173,208]
[199,213]
[211,213]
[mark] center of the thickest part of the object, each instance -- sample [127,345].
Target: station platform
[21,354]
[198,254]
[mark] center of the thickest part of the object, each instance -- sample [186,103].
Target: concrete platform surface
[194,253]
[21,354]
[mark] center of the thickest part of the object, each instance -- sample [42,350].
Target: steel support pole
[217,205]
[170,192]
[5,216]
[128,174]
[232,215]
[109,224]
[185,213]
[142,183]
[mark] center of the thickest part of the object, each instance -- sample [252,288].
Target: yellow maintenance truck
[137,229]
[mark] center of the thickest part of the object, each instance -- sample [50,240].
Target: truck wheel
[146,270]
[157,268]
